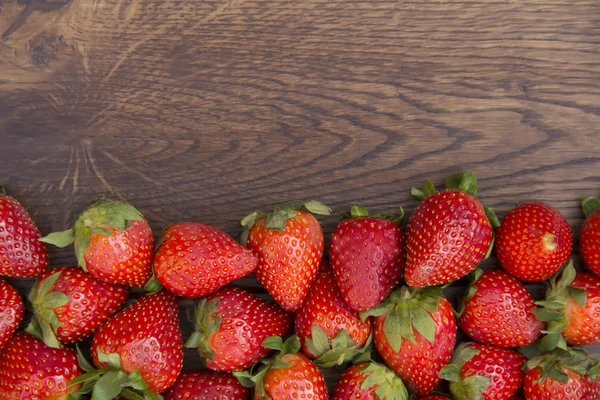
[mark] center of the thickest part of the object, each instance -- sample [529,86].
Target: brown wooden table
[207,110]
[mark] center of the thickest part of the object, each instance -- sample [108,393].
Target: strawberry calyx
[206,323]
[2,191]
[361,212]
[388,385]
[340,350]
[469,293]
[469,388]
[589,205]
[555,363]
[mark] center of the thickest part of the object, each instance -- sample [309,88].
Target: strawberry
[448,234]
[22,255]
[415,334]
[498,311]
[480,372]
[206,385]
[113,242]
[12,310]
[193,259]
[286,375]
[289,244]
[328,328]
[590,234]
[367,255]
[370,381]
[231,325]
[31,370]
[69,304]
[533,242]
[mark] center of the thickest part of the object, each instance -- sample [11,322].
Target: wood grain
[208,110]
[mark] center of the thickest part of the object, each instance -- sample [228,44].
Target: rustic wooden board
[207,110]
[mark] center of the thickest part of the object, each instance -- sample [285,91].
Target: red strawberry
[367,255]
[370,381]
[69,304]
[193,259]
[287,375]
[484,372]
[448,234]
[22,255]
[231,325]
[289,245]
[498,311]
[12,310]
[589,239]
[31,370]
[329,329]
[113,242]
[533,242]
[206,385]
[415,334]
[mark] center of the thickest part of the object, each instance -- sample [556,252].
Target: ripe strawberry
[415,334]
[498,311]
[533,242]
[287,375]
[113,242]
[231,325]
[367,255]
[206,385]
[328,328]
[589,238]
[69,305]
[289,244]
[193,259]
[484,372]
[448,234]
[12,310]
[31,370]
[370,381]
[22,255]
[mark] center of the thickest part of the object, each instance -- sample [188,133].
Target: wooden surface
[207,110]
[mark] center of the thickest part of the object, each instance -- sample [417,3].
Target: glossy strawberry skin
[583,323]
[22,255]
[589,242]
[499,314]
[195,259]
[419,364]
[578,387]
[31,370]
[325,307]
[12,310]
[533,242]
[367,256]
[147,337]
[447,236]
[288,260]
[206,385]
[349,385]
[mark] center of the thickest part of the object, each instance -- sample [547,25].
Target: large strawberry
[589,238]
[31,370]
[448,234]
[415,334]
[498,311]
[289,244]
[367,256]
[480,372]
[328,328]
[533,242]
[12,310]
[231,325]
[206,385]
[113,242]
[22,255]
[193,259]
[69,304]
[370,381]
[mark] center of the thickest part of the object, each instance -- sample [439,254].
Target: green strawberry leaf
[273,343]
[60,239]
[557,373]
[549,342]
[423,323]
[429,188]
[112,359]
[589,205]
[54,300]
[131,395]
[567,275]
[358,212]
[463,353]
[470,388]
[376,311]
[494,221]
[109,385]
[316,207]
[277,219]
[547,315]
[578,295]
[290,346]
[450,373]
[245,378]
[319,341]
[83,362]
[43,287]
[92,375]
[136,381]
[206,323]
[393,331]
[463,181]
[417,193]
[82,243]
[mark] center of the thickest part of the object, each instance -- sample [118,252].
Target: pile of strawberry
[374,307]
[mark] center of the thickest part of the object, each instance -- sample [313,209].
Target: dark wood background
[207,110]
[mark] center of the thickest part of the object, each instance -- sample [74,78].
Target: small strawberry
[589,239]
[370,381]
[448,234]
[289,244]
[193,259]
[287,375]
[12,310]
[415,334]
[328,328]
[533,242]
[231,325]
[480,372]
[498,311]
[367,256]
[69,304]
[31,370]
[113,242]
[22,254]
[206,385]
